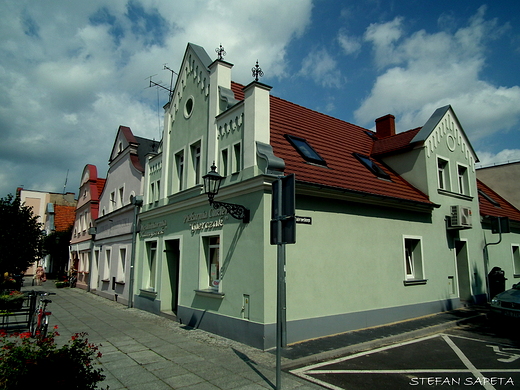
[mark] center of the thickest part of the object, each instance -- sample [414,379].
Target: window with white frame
[516,259]
[85,262]
[237,158]
[443,174]
[151,195]
[212,257]
[106,273]
[149,280]
[96,267]
[195,160]
[121,265]
[462,174]
[414,269]
[120,199]
[224,163]
[179,167]
[112,204]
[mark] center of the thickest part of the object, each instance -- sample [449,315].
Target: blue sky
[71,72]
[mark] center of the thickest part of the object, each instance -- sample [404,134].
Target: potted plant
[11,300]
[60,366]
[61,284]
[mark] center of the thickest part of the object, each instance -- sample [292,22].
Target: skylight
[305,149]
[372,166]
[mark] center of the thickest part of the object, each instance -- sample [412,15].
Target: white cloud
[72,72]
[383,37]
[349,44]
[320,66]
[502,157]
[423,71]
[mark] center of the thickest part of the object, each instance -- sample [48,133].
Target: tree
[21,236]
[56,245]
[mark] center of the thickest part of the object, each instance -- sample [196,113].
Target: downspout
[92,231]
[137,201]
[486,258]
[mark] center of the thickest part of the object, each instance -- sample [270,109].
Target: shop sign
[196,219]
[196,226]
[153,229]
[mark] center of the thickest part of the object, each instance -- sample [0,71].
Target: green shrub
[26,362]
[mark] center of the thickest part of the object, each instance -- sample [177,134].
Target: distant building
[54,210]
[503,178]
[87,211]
[113,243]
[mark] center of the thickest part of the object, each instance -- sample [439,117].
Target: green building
[392,225]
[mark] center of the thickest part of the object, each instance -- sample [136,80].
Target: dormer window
[372,166]
[305,149]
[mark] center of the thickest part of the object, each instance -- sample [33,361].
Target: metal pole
[280,294]
[137,202]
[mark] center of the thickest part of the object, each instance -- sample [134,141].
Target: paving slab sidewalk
[143,351]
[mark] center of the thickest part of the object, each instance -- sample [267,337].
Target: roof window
[305,149]
[372,166]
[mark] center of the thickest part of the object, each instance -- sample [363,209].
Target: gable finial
[220,52]
[257,71]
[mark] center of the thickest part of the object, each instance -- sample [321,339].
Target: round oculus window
[188,107]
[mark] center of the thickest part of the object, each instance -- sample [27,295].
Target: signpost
[283,231]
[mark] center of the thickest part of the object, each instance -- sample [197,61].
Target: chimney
[385,126]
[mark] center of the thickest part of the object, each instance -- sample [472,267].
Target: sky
[72,72]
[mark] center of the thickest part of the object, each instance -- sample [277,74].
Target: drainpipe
[486,258]
[92,231]
[137,201]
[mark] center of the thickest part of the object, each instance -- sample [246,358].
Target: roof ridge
[318,112]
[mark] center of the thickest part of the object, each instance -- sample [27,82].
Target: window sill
[105,280]
[120,282]
[210,294]
[152,294]
[415,282]
[455,194]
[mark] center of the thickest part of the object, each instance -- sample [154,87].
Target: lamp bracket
[235,210]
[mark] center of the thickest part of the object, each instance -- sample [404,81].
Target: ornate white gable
[192,70]
[444,129]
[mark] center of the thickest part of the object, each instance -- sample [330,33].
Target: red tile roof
[335,141]
[398,142]
[64,217]
[100,184]
[492,204]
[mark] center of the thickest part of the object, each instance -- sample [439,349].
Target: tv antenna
[65,185]
[170,89]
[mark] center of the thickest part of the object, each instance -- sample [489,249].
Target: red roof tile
[100,183]
[398,142]
[64,217]
[492,204]
[336,142]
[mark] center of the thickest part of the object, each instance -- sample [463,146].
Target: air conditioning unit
[460,217]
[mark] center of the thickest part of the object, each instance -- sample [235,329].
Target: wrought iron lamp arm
[235,210]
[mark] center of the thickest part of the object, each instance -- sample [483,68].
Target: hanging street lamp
[212,181]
